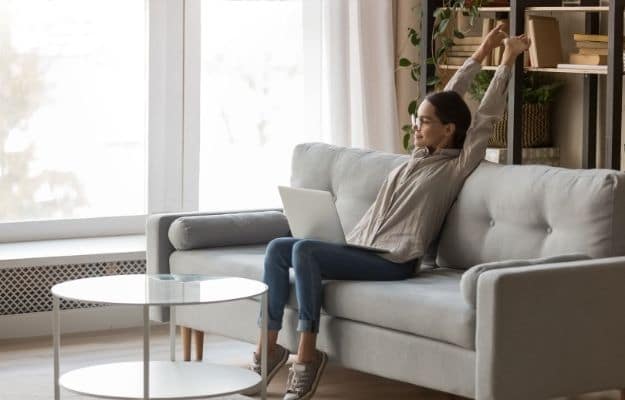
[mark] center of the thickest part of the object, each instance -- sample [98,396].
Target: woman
[405,217]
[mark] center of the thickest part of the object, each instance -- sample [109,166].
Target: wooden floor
[26,367]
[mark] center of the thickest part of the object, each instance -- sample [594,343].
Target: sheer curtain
[359,99]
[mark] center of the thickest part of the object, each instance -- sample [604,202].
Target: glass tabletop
[159,289]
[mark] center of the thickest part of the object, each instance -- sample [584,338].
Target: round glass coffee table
[149,379]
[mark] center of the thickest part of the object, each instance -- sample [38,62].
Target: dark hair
[450,108]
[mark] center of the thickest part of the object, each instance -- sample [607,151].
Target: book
[588,59]
[587,51]
[591,45]
[455,60]
[545,48]
[456,53]
[579,37]
[465,47]
[468,40]
[582,66]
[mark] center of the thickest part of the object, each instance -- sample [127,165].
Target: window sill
[63,251]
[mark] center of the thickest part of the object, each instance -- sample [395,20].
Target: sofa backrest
[502,211]
[352,175]
[521,212]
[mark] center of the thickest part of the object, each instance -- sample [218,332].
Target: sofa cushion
[468,282]
[521,212]
[196,232]
[352,175]
[429,305]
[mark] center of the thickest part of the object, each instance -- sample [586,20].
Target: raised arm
[492,107]
[461,80]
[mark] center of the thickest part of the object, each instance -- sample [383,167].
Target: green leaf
[407,128]
[414,75]
[412,107]
[440,51]
[406,141]
[433,81]
[429,60]
[458,34]
[415,40]
[404,62]
[443,25]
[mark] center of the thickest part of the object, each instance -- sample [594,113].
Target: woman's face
[429,131]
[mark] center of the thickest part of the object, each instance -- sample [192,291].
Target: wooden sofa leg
[185,333]
[622,394]
[198,338]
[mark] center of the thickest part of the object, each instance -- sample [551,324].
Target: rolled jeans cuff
[308,326]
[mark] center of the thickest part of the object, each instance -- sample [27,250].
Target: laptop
[312,214]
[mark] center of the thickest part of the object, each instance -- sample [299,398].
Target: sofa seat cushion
[429,305]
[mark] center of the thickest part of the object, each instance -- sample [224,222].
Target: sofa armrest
[159,248]
[551,330]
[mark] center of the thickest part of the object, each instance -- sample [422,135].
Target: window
[216,92]
[73,102]
[254,100]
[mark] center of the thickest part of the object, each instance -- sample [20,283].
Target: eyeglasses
[418,122]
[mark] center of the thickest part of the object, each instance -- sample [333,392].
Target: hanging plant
[444,25]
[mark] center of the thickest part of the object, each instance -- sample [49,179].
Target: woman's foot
[304,378]
[275,360]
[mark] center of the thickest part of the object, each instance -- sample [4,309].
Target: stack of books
[591,49]
[592,52]
[465,47]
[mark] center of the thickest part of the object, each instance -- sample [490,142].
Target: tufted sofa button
[492,222]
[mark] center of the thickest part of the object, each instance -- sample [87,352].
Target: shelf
[531,69]
[552,8]
[570,9]
[487,67]
[569,70]
[494,9]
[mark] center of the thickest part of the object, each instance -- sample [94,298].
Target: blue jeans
[312,261]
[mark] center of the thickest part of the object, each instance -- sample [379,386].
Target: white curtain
[358,74]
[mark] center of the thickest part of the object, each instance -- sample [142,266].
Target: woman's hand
[514,46]
[491,41]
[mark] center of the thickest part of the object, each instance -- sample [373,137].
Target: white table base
[168,380]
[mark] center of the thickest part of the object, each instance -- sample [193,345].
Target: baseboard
[72,321]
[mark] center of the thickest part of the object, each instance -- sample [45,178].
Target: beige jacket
[413,201]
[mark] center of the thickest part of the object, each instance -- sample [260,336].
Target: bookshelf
[614,74]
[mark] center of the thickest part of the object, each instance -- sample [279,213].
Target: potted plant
[538,95]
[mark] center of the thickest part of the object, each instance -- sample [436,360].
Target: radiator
[26,289]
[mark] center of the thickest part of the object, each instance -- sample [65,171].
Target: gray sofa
[532,332]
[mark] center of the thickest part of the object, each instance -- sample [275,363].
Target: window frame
[173,121]
[164,54]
